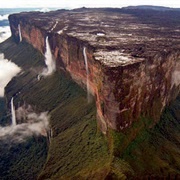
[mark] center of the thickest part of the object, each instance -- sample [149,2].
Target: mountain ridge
[151,7]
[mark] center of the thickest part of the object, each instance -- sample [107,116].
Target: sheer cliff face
[134,68]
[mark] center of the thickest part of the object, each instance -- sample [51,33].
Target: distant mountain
[157,8]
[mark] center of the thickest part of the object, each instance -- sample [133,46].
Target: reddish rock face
[133,66]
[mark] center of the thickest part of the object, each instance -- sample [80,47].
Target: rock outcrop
[133,62]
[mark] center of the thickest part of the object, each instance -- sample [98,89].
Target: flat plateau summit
[119,36]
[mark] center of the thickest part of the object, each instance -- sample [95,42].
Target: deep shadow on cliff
[78,149]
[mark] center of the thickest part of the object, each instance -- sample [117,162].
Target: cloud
[7,71]
[4,17]
[4,33]
[87,3]
[36,124]
[43,10]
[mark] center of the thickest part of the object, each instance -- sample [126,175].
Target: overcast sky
[87,3]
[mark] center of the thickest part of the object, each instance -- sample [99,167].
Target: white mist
[7,71]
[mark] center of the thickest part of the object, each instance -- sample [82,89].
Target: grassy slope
[77,148]
[156,151]
[21,160]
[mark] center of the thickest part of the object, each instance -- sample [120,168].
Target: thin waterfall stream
[13,114]
[20,35]
[87,74]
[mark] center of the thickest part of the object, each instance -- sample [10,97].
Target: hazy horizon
[88,3]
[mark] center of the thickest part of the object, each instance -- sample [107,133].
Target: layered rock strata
[133,65]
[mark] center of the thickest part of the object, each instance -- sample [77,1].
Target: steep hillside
[19,159]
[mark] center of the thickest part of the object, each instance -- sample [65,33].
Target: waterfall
[49,60]
[20,36]
[87,73]
[50,135]
[39,77]
[13,112]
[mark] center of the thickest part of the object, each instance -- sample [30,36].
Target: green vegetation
[23,160]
